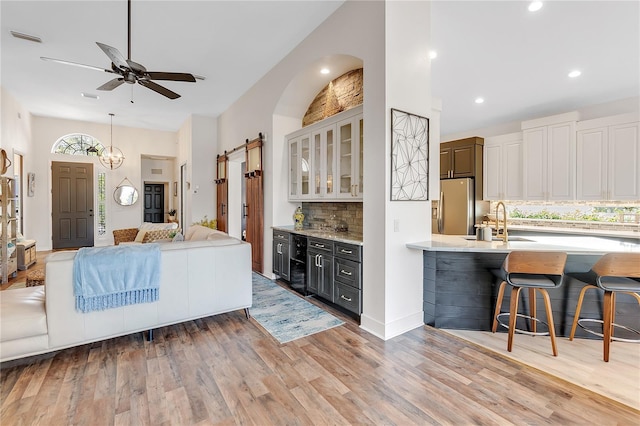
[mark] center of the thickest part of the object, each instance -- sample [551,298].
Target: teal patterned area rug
[285,315]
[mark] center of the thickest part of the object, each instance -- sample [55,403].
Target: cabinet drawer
[320,245]
[347,297]
[348,251]
[347,272]
[281,236]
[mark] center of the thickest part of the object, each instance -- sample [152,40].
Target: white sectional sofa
[199,278]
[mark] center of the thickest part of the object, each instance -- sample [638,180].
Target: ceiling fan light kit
[111,157]
[132,72]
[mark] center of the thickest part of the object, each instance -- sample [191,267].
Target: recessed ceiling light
[575,73]
[534,6]
[324,71]
[479,100]
[433,54]
[89,95]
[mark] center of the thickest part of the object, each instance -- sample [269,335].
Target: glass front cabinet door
[323,162]
[325,159]
[300,167]
[349,158]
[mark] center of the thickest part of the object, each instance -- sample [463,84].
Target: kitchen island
[460,285]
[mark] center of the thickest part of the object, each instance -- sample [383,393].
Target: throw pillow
[140,236]
[161,234]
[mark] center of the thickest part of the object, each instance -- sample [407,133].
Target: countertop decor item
[298,218]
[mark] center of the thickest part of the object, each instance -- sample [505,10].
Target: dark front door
[72,204]
[154,202]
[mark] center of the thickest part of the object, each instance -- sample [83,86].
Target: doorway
[153,202]
[72,205]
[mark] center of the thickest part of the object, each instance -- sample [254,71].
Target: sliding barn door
[254,209]
[222,195]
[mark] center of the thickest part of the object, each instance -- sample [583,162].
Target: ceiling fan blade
[112,84]
[60,61]
[157,88]
[115,55]
[173,76]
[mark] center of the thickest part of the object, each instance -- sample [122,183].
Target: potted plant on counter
[172,215]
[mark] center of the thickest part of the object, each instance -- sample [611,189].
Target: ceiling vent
[156,171]
[26,37]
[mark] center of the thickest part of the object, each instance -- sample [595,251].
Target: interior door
[154,202]
[253,210]
[72,205]
[223,205]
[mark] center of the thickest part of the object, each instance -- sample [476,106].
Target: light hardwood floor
[578,361]
[226,369]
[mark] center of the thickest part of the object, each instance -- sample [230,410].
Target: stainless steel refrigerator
[457,210]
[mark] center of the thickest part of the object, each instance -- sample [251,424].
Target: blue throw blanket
[109,277]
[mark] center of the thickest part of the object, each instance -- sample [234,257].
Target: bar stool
[613,273]
[535,270]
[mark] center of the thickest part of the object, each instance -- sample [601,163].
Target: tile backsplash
[327,215]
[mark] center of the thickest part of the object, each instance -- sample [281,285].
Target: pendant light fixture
[111,157]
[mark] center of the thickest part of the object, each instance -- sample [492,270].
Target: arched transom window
[81,144]
[78,144]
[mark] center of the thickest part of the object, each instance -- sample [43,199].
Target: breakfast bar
[460,281]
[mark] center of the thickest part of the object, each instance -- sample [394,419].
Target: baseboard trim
[392,329]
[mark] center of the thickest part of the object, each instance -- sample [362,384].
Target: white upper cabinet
[300,167]
[549,153]
[325,159]
[624,158]
[608,158]
[349,158]
[503,167]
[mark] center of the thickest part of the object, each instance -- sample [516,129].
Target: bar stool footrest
[521,331]
[614,338]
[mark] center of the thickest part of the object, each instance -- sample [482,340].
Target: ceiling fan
[130,71]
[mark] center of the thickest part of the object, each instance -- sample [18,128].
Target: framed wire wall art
[409,156]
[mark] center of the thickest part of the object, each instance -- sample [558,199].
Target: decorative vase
[298,218]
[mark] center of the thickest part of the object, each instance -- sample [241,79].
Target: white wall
[204,148]
[132,141]
[15,137]
[587,112]
[356,29]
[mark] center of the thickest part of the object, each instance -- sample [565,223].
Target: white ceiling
[516,60]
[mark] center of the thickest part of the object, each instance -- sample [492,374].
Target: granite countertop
[568,244]
[344,237]
[592,232]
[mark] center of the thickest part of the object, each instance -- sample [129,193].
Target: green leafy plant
[213,223]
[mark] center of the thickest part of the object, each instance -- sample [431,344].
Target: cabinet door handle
[343,297]
[318,245]
[342,271]
[346,251]
[319,261]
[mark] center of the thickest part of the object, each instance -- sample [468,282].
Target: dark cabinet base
[460,292]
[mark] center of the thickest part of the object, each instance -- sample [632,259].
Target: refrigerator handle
[440,207]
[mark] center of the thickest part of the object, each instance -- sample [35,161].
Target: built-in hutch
[325,159]
[8,260]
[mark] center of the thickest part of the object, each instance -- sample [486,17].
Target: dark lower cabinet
[320,268]
[281,250]
[347,276]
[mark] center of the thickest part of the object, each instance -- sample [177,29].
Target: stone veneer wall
[341,94]
[325,215]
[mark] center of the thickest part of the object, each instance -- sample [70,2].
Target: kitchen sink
[515,238]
